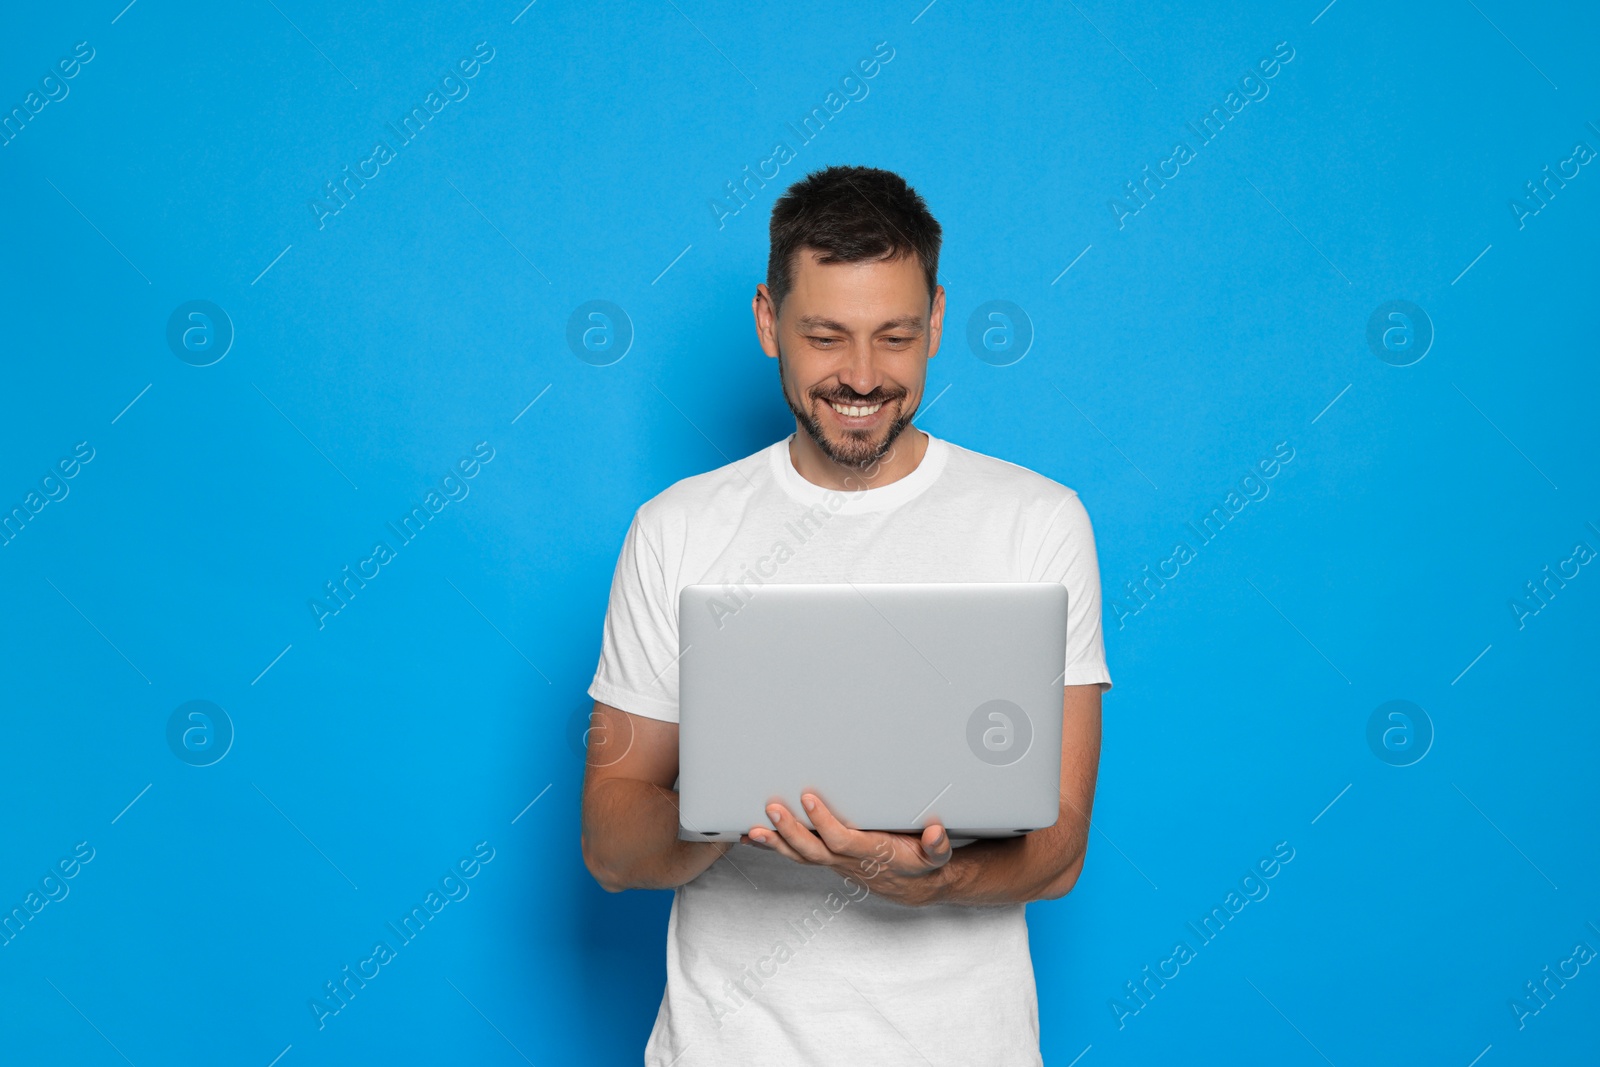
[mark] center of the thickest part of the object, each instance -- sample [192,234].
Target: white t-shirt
[774,962]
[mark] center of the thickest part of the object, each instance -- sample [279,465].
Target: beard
[856,449]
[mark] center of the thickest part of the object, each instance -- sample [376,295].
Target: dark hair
[850,214]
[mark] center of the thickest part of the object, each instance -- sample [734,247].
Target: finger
[797,837]
[772,842]
[762,837]
[840,839]
[935,845]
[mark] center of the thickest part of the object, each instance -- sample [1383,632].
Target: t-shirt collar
[858,501]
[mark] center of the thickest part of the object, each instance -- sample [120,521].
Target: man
[839,946]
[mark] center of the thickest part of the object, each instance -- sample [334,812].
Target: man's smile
[857,416]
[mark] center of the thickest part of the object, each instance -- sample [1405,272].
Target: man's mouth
[856,411]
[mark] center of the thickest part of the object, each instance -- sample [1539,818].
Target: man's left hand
[904,868]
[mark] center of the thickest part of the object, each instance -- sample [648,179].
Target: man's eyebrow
[817,322]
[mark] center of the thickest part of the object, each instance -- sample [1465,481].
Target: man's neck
[814,466]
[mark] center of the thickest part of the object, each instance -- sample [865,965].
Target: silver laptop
[899,705]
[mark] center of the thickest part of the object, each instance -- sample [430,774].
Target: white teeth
[855,412]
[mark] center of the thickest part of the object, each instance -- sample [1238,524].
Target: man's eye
[897,340]
[823,340]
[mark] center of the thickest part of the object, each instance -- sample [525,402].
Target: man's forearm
[630,837]
[1037,866]
[1045,864]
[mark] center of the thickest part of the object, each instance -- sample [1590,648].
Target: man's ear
[936,321]
[766,316]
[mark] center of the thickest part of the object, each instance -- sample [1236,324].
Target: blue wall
[370,342]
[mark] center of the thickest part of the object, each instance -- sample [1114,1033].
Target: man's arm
[1042,865]
[1045,864]
[630,812]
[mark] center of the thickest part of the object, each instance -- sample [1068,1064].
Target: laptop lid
[899,704]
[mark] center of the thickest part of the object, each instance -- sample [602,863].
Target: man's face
[856,336]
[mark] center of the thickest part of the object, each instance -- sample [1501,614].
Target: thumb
[936,844]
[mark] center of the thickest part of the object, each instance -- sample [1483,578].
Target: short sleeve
[1067,555]
[637,672]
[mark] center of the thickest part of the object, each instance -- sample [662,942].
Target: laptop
[899,704]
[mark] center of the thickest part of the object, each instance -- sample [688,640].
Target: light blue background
[427,314]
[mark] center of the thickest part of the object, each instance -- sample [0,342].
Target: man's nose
[858,372]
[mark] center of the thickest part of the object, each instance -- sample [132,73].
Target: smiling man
[831,946]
